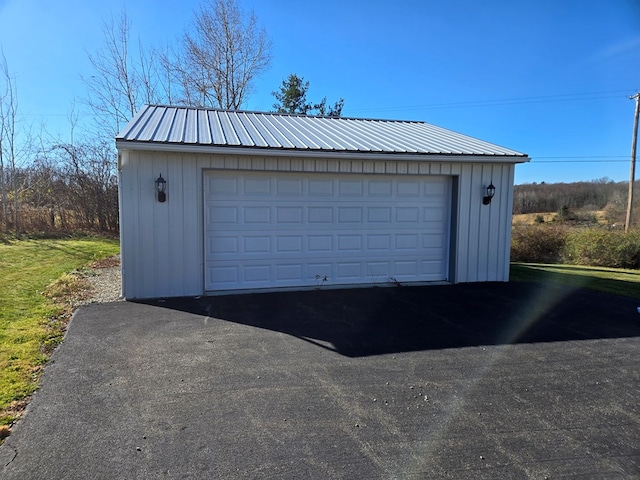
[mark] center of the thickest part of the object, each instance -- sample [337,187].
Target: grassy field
[32,323]
[533,218]
[611,280]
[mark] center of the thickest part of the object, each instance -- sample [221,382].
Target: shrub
[538,243]
[604,248]
[564,214]
[561,243]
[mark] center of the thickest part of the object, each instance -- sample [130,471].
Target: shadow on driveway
[164,389]
[374,321]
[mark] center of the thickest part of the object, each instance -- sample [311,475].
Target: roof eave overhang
[329,154]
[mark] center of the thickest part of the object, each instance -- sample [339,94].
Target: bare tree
[8,145]
[214,65]
[4,95]
[121,82]
[222,56]
[90,188]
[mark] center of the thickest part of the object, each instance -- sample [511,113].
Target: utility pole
[632,173]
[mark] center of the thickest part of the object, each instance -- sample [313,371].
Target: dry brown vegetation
[584,238]
[605,199]
[63,188]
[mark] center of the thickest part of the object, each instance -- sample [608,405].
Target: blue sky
[550,78]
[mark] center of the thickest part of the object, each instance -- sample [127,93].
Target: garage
[219,202]
[266,230]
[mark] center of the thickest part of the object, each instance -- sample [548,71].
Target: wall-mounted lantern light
[161,187]
[491,191]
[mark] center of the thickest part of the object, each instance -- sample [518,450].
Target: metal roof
[158,126]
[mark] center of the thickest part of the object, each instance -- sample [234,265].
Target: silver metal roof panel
[177,129]
[155,126]
[203,127]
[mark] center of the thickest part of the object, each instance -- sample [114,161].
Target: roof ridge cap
[285,114]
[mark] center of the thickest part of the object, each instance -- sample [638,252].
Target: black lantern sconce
[491,191]
[161,187]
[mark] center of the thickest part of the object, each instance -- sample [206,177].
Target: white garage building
[263,201]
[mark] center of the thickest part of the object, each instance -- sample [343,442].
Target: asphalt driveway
[478,381]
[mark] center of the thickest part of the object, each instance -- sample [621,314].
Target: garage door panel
[224,245]
[350,188]
[289,187]
[322,188]
[406,268]
[320,214]
[379,214]
[406,188]
[289,244]
[222,186]
[256,214]
[349,271]
[257,244]
[407,214]
[349,214]
[380,188]
[349,243]
[435,189]
[319,243]
[257,273]
[224,274]
[288,272]
[431,269]
[378,271]
[436,241]
[223,215]
[266,230]
[407,241]
[318,271]
[288,214]
[434,214]
[379,242]
[257,186]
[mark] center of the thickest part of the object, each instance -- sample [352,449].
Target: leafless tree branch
[223,54]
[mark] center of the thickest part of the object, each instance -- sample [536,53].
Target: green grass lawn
[29,322]
[611,280]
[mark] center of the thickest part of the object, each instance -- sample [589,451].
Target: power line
[556,98]
[584,156]
[565,97]
[519,101]
[32,114]
[533,160]
[580,159]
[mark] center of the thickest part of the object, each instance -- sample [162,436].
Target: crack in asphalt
[7,447]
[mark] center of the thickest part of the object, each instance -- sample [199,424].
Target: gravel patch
[105,280]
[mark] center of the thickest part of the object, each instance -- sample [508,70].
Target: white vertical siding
[484,231]
[162,243]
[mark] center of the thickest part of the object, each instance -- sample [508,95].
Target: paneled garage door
[270,230]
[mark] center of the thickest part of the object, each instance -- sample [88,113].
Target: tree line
[52,184]
[602,194]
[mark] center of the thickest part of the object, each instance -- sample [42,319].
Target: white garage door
[270,230]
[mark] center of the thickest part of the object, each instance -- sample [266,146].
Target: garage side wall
[162,244]
[483,241]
